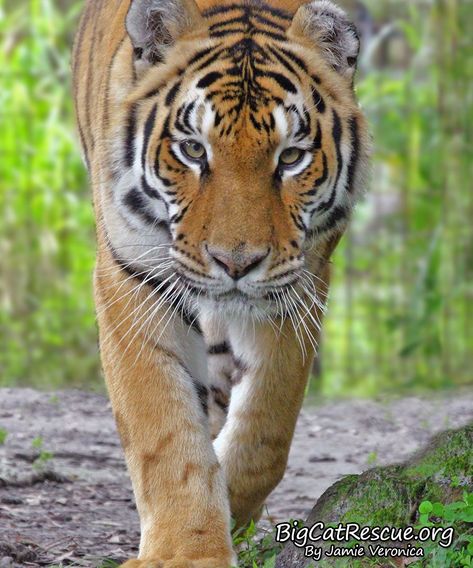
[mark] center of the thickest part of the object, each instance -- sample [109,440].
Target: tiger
[226,151]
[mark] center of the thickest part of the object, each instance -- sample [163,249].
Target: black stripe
[272,35]
[304,125]
[150,191]
[200,55]
[221,9]
[355,152]
[231,7]
[317,141]
[129,152]
[178,124]
[262,20]
[149,124]
[281,14]
[283,81]
[177,218]
[236,20]
[219,349]
[336,215]
[209,79]
[234,31]
[209,60]
[171,95]
[337,132]
[322,179]
[153,92]
[337,136]
[298,223]
[281,59]
[293,57]
[225,32]
[319,102]
[165,131]
[136,202]
[254,122]
[165,181]
[187,114]
[203,394]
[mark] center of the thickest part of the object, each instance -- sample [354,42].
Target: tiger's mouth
[246,294]
[261,302]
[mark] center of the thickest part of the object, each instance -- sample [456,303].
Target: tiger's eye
[193,150]
[291,156]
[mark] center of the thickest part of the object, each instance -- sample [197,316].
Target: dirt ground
[77,505]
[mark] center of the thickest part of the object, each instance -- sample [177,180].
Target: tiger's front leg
[178,483]
[254,444]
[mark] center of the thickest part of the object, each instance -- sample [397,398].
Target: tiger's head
[242,146]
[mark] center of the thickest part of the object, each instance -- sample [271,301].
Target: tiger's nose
[236,263]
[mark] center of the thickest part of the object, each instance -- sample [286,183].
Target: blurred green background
[401,302]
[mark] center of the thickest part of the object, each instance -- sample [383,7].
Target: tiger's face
[245,142]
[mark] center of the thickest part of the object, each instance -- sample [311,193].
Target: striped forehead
[208,104]
[195,114]
[291,118]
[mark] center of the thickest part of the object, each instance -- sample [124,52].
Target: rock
[391,495]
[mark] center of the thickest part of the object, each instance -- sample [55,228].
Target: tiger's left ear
[155,25]
[329,29]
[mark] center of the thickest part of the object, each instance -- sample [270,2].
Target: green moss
[451,457]
[379,498]
[387,496]
[390,496]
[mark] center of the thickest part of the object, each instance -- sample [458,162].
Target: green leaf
[457,506]
[425,507]
[3,436]
[424,519]
[466,517]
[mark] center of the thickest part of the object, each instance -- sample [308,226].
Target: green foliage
[401,293]
[372,458]
[3,436]
[398,316]
[44,456]
[255,551]
[459,516]
[47,328]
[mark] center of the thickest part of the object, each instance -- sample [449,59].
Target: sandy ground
[79,507]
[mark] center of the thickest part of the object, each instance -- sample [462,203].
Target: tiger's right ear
[155,25]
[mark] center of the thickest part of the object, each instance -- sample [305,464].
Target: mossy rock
[390,496]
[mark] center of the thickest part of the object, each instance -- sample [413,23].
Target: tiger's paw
[178,563]
[135,563]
